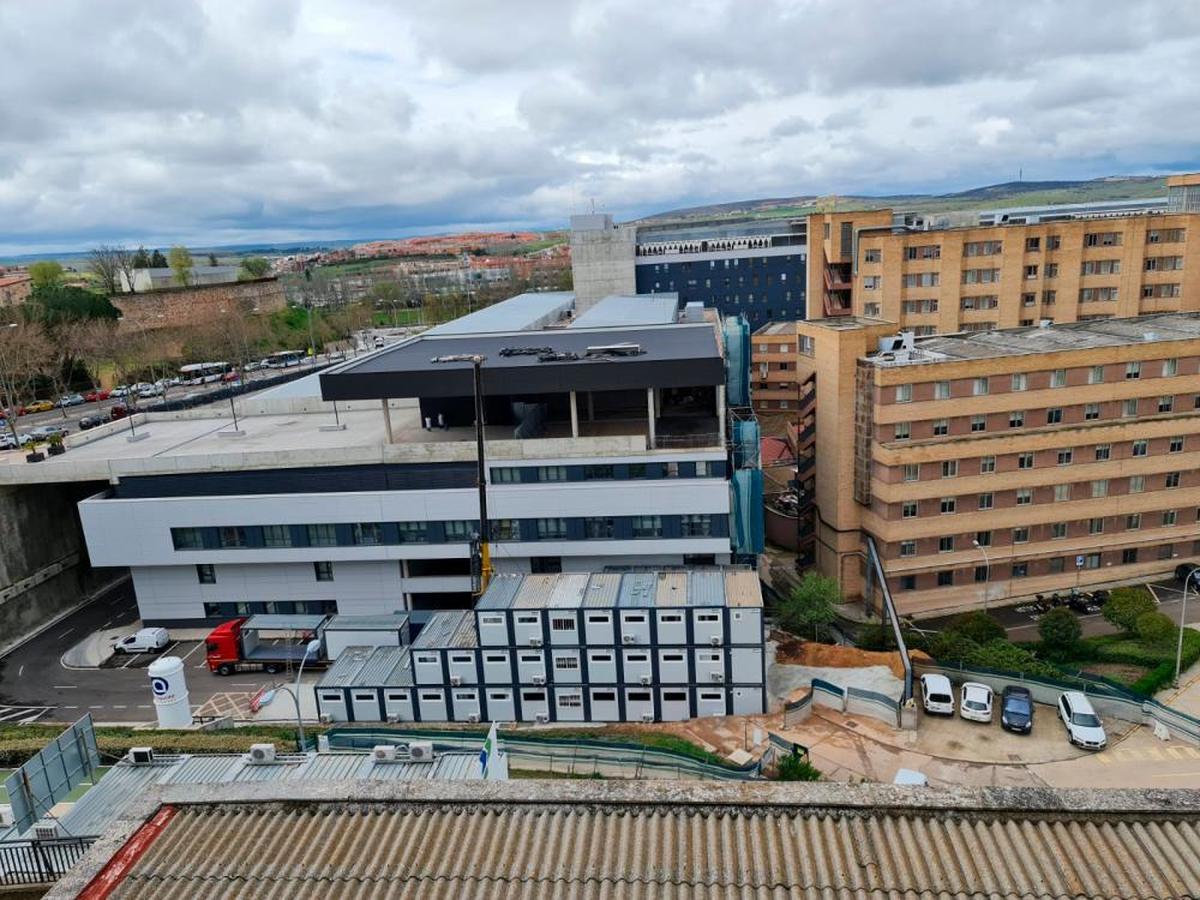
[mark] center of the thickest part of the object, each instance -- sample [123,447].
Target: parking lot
[955,738]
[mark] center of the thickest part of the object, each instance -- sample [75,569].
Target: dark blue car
[1016,710]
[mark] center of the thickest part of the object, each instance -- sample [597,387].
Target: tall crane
[481,553]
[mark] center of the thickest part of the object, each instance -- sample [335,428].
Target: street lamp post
[987,571]
[1182,621]
[310,648]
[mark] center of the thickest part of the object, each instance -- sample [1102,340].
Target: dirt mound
[791,650]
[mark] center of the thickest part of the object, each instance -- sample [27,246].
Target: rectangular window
[1170,367]
[1168,518]
[1103,452]
[1016,419]
[1020,570]
[551,529]
[1171,481]
[1137,484]
[188,538]
[562,623]
[980,386]
[908,510]
[551,473]
[950,468]
[597,473]
[912,472]
[904,393]
[321,535]
[941,390]
[458,530]
[1099,488]
[1141,448]
[908,582]
[948,504]
[987,465]
[902,431]
[986,500]
[598,527]
[1020,381]
[231,536]
[941,427]
[1024,496]
[1062,492]
[368,533]
[1058,378]
[506,529]
[1033,245]
[983,538]
[872,255]
[1176,445]
[978,424]
[1129,555]
[323,571]
[925,251]
[1166,404]
[206,573]
[1102,239]
[1025,461]
[1133,370]
[1054,416]
[1091,412]
[1165,551]
[946,544]
[1096,526]
[647,526]
[1056,565]
[1133,521]
[1129,408]
[412,532]
[1066,457]
[1058,530]
[277,536]
[1020,535]
[945,578]
[506,475]
[908,548]
[696,525]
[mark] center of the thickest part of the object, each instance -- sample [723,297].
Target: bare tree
[23,354]
[102,261]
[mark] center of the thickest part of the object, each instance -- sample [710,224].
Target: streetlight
[1182,620]
[987,570]
[312,647]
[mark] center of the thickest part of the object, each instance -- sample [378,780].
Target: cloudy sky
[223,121]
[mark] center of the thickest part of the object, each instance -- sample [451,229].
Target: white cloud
[225,120]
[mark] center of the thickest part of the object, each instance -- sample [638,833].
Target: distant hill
[1008,194]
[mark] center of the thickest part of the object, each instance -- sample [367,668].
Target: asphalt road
[35,686]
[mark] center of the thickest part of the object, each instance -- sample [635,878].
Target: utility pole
[485,528]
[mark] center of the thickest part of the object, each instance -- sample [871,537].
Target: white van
[937,694]
[144,640]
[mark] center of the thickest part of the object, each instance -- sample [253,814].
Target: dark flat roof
[678,355]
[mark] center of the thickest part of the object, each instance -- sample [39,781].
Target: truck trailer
[269,643]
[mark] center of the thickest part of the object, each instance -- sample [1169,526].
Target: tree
[109,264]
[180,260]
[58,303]
[254,267]
[1155,629]
[212,259]
[1125,604]
[812,603]
[45,273]
[141,259]
[157,260]
[23,354]
[1060,631]
[977,626]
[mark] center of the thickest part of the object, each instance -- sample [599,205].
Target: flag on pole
[492,762]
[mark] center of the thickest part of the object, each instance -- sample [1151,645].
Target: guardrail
[1108,699]
[844,699]
[40,862]
[572,756]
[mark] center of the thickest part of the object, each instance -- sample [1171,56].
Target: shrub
[879,636]
[977,626]
[812,604]
[1060,632]
[951,647]
[797,768]
[1008,657]
[1155,629]
[1125,604]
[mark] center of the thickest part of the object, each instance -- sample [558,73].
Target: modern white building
[606,445]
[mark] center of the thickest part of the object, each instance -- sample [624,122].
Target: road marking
[96,707]
[129,662]
[1175,774]
[65,687]
[70,707]
[199,644]
[21,671]
[65,633]
[106,624]
[174,644]
[242,684]
[120,706]
[145,706]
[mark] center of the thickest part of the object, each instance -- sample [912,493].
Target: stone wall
[174,307]
[43,561]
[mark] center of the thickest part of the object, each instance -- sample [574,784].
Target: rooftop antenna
[593,202]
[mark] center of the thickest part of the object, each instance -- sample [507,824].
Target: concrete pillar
[650,415]
[574,416]
[591,407]
[721,412]
[387,421]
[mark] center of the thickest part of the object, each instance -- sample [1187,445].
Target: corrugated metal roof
[465,635]
[602,590]
[501,591]
[671,589]
[388,666]
[344,671]
[569,590]
[638,589]
[742,588]
[520,313]
[670,845]
[706,587]
[390,622]
[442,625]
[535,592]
[641,309]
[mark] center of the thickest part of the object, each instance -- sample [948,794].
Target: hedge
[19,743]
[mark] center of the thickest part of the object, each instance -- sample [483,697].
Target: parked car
[45,432]
[96,396]
[231,376]
[117,411]
[1184,570]
[121,390]
[38,406]
[975,702]
[1016,709]
[1084,728]
[144,640]
[67,400]
[150,390]
[8,442]
[88,422]
[937,694]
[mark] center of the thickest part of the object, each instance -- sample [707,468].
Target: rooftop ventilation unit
[141,756]
[473,718]
[384,753]
[46,831]
[629,639]
[420,751]
[261,753]
[897,343]
[539,679]
[455,680]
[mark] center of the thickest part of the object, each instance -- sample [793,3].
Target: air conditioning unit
[46,831]
[141,756]
[535,642]
[6,815]
[647,717]
[455,680]
[393,718]
[384,753]
[420,751]
[718,677]
[715,640]
[261,753]
[473,718]
[645,679]
[542,718]
[539,679]
[629,639]
[325,718]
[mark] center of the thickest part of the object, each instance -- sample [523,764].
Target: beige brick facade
[175,307]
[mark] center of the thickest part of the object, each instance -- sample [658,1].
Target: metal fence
[582,757]
[40,862]
[844,699]
[1107,698]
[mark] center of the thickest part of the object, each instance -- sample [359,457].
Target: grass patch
[651,739]
[545,775]
[383,318]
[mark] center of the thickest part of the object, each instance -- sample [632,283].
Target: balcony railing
[40,862]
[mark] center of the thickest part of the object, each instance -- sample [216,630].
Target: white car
[144,640]
[975,702]
[1084,728]
[937,694]
[150,390]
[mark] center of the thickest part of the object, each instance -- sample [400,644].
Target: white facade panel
[337,641]
[635,626]
[708,625]
[332,703]
[639,704]
[398,704]
[673,666]
[497,666]
[568,666]
[527,628]
[461,666]
[564,627]
[745,625]
[671,626]
[747,701]
[432,705]
[746,665]
[465,704]
[531,667]
[602,666]
[535,702]
[365,704]
[568,704]
[492,627]
[501,705]
[674,704]
[427,667]
[598,626]
[636,666]
[604,705]
[708,662]
[710,702]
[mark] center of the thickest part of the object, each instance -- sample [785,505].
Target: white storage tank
[168,682]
